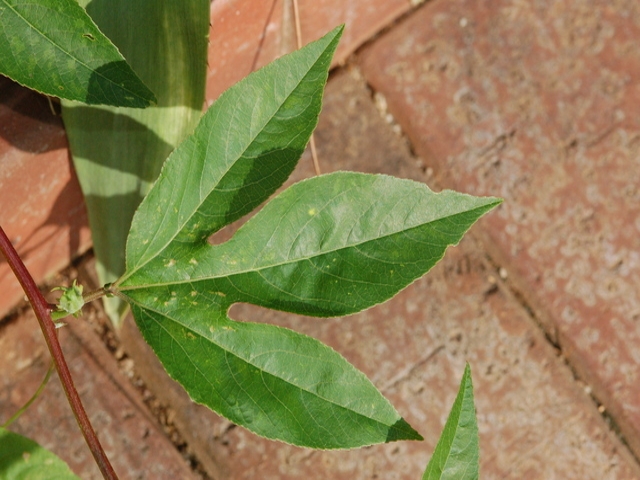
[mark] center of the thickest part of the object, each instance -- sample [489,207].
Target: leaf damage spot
[312,212]
[89,36]
[193,261]
[170,263]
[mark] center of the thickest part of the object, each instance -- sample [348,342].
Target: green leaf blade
[244,148]
[328,246]
[275,382]
[21,457]
[456,456]
[54,47]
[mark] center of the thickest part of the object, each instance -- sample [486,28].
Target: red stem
[42,310]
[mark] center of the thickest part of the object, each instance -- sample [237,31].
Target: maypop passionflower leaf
[328,246]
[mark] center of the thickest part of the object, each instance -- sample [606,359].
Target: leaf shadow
[101,86]
[15,454]
[253,182]
[158,69]
[118,209]
[27,121]
[100,125]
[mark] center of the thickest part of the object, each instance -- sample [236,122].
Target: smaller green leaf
[22,458]
[456,456]
[53,47]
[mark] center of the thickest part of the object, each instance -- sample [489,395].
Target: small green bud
[71,300]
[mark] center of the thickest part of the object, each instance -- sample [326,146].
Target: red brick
[247,34]
[135,445]
[537,103]
[41,210]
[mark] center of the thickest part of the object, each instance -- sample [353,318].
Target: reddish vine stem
[42,310]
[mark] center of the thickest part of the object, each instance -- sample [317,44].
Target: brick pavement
[132,439]
[538,103]
[530,101]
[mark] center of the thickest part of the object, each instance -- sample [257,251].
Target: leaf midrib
[289,262]
[248,362]
[68,54]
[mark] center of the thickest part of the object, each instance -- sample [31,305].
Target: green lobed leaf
[54,47]
[331,245]
[456,456]
[118,152]
[22,458]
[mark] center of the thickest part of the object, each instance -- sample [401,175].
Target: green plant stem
[43,314]
[33,398]
[94,295]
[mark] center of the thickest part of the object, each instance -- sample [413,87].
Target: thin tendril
[33,398]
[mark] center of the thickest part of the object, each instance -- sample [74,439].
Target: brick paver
[537,102]
[248,34]
[135,445]
[41,207]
